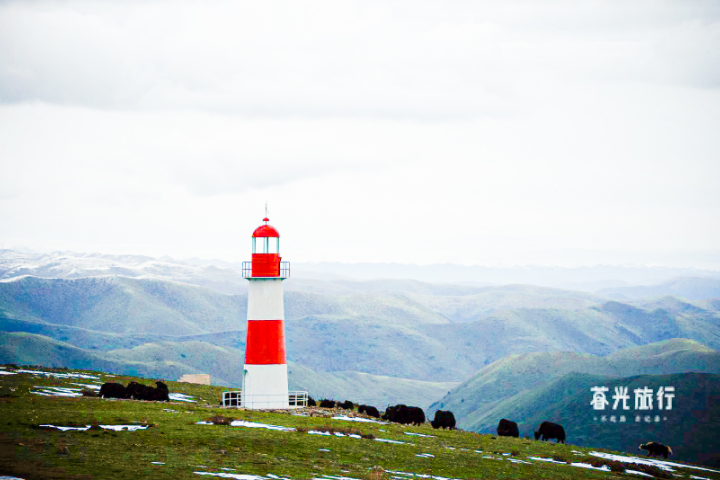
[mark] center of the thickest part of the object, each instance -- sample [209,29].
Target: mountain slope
[476,400]
[391,334]
[171,360]
[690,428]
[464,308]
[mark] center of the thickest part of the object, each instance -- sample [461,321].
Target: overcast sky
[488,133]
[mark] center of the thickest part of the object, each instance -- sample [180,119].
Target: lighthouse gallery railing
[284,270]
[296,399]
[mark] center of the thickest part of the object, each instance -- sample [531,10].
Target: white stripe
[265,386]
[265,299]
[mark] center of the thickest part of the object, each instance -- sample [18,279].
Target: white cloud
[374,129]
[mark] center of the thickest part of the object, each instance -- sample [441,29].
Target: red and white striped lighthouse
[265,379]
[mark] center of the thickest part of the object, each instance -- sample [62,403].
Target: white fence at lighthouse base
[235,398]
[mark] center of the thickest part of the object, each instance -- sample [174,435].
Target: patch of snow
[231,475]
[418,475]
[158,463]
[604,468]
[332,477]
[517,460]
[636,460]
[357,419]
[425,455]
[242,423]
[699,478]
[635,472]
[179,397]
[549,460]
[3,372]
[323,449]
[117,428]
[4,477]
[315,432]
[478,451]
[60,375]
[386,440]
[120,428]
[56,391]
[93,387]
[419,435]
[506,454]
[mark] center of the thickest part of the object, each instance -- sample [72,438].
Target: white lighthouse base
[265,386]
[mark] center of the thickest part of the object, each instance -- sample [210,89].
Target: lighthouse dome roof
[266,230]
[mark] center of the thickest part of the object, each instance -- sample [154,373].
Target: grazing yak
[405,415]
[327,403]
[508,428]
[137,391]
[444,419]
[311,402]
[112,390]
[347,405]
[656,449]
[369,410]
[549,430]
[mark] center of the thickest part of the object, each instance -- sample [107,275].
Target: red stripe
[265,342]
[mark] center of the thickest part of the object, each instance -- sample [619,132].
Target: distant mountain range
[378,341]
[225,276]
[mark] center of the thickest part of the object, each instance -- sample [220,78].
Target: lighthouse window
[266,245]
[273,245]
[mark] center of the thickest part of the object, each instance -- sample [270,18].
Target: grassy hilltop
[479,400]
[174,446]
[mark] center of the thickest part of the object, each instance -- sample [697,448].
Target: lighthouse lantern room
[265,379]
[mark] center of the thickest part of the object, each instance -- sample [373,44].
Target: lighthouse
[265,377]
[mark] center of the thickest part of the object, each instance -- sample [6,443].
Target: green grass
[27,451]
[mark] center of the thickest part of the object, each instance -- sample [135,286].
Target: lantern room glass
[266,245]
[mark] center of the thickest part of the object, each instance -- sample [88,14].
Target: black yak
[311,402]
[112,390]
[549,430]
[327,403]
[371,411]
[138,391]
[443,419]
[507,428]
[656,449]
[347,405]
[405,415]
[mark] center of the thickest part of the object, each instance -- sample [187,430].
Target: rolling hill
[690,428]
[170,360]
[482,400]
[391,334]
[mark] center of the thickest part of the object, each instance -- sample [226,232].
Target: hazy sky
[510,132]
